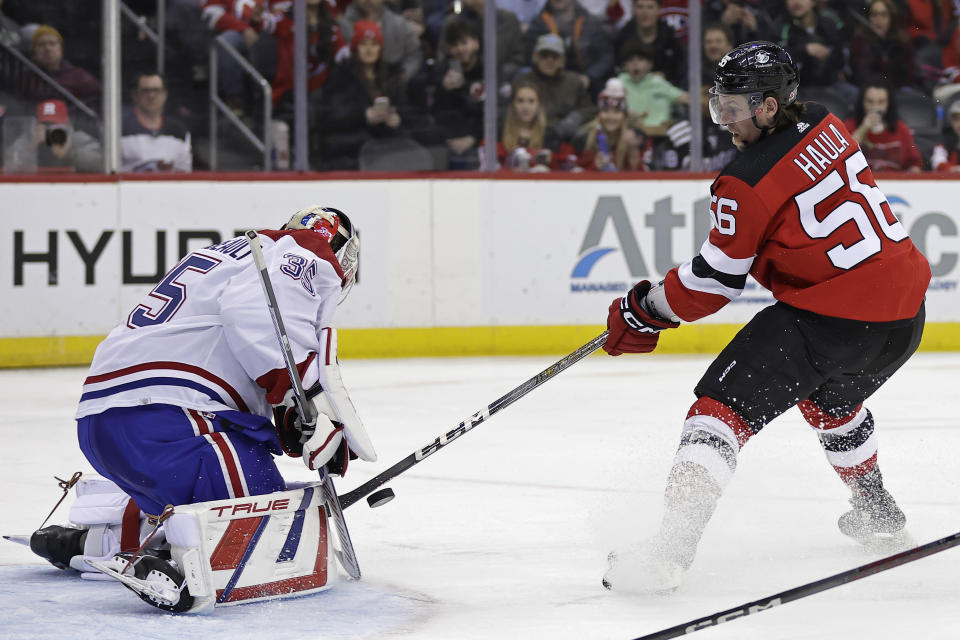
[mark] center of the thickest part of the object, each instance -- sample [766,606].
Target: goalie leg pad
[103,522]
[113,521]
[261,547]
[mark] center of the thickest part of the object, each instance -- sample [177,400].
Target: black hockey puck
[379,498]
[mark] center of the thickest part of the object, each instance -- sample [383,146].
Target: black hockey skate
[875,520]
[58,544]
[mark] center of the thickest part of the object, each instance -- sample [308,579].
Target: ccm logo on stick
[252,507]
[453,434]
[731,615]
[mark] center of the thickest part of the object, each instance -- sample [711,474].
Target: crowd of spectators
[582,85]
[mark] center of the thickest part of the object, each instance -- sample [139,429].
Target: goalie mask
[335,226]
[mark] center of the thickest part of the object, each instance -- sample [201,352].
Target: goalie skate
[156,580]
[58,544]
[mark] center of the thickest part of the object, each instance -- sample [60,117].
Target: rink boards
[448,266]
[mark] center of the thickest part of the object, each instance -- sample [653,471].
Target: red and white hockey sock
[713,434]
[848,440]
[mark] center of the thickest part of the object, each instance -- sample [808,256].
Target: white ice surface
[504,533]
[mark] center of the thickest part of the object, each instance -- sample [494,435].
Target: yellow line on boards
[56,351]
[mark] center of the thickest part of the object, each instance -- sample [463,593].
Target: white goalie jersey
[203,338]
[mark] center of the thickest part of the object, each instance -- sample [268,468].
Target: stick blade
[346,555]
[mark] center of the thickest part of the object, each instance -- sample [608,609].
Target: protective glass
[729,108]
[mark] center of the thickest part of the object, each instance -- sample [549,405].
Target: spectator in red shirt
[928,20]
[885,139]
[46,51]
[950,55]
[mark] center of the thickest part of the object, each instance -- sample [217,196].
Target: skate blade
[641,591]
[140,587]
[662,582]
[885,544]
[24,540]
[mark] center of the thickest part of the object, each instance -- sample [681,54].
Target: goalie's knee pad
[848,439]
[712,437]
[254,548]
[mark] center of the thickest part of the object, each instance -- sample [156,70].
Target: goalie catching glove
[632,325]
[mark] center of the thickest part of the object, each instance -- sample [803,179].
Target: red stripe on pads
[820,419]
[714,408]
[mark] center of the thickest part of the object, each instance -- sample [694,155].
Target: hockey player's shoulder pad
[754,163]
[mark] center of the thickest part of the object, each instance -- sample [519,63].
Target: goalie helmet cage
[808,589]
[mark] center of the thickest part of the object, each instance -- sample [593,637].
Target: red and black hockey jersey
[800,212]
[236,15]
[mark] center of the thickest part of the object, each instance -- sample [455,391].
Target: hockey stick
[502,402]
[346,555]
[808,589]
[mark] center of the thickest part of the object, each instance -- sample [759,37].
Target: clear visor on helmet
[729,108]
[349,258]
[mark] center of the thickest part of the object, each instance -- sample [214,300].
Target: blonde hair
[621,149]
[512,124]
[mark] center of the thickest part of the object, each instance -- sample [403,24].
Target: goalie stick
[502,402]
[808,589]
[346,554]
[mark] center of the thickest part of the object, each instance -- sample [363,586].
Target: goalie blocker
[204,555]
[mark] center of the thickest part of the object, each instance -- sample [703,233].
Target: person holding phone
[458,106]
[363,100]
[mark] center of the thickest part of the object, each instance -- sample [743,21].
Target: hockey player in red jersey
[797,209]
